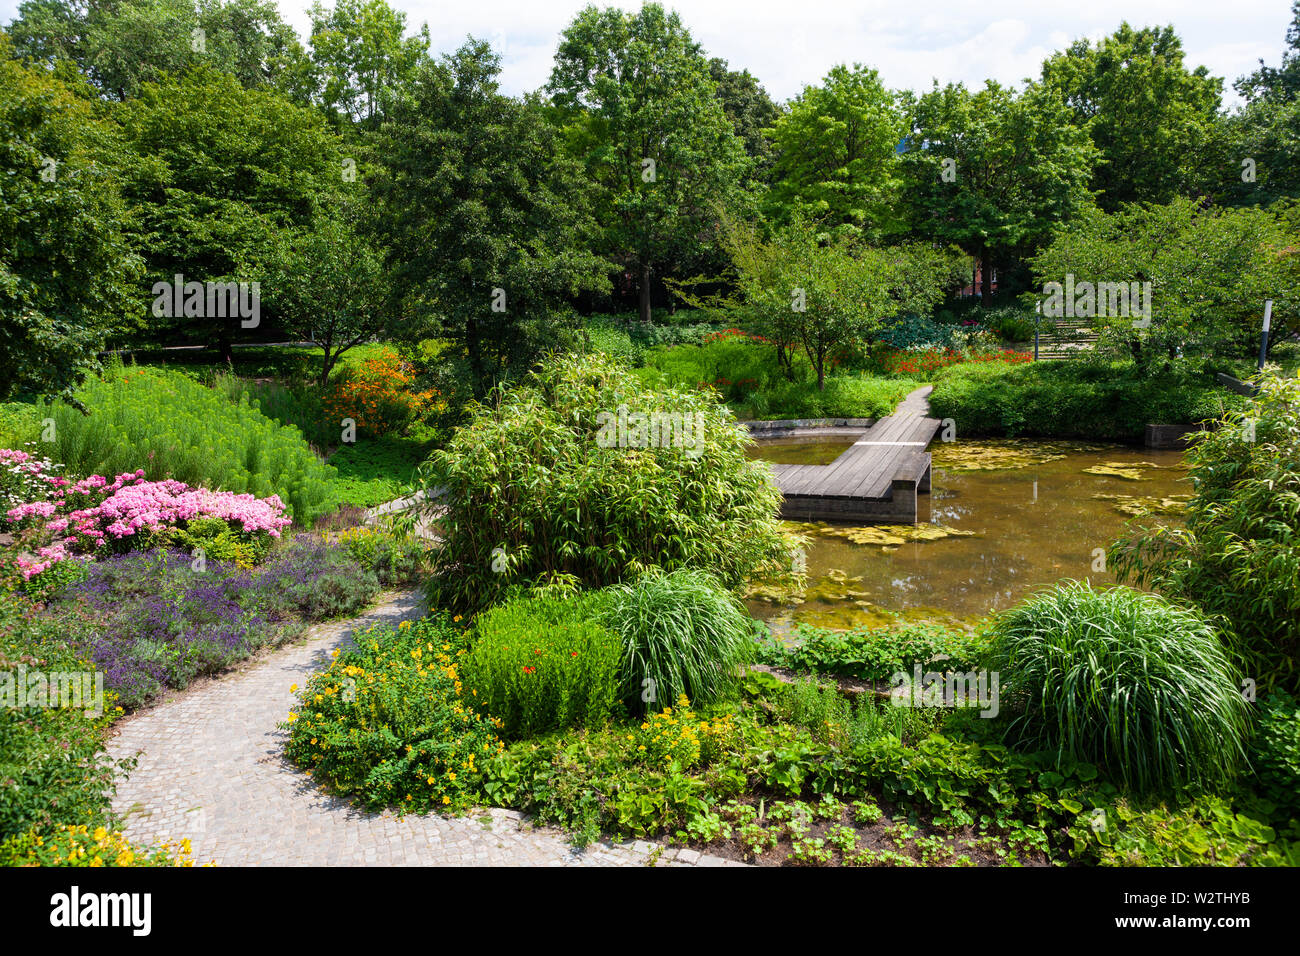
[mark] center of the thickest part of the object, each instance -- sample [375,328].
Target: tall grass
[300,406]
[172,427]
[1122,679]
[682,634]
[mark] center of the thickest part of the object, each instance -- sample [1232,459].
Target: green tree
[121,45]
[359,52]
[1148,115]
[221,172]
[488,223]
[750,109]
[1210,271]
[67,274]
[328,282]
[836,149]
[993,172]
[644,117]
[823,296]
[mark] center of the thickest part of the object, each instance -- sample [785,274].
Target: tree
[750,109]
[67,274]
[826,295]
[328,283]
[360,53]
[1209,269]
[487,222]
[993,172]
[1147,114]
[220,173]
[119,46]
[835,154]
[643,116]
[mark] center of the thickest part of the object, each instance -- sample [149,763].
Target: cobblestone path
[210,769]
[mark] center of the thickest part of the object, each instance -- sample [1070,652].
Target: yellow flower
[446,800]
[293,688]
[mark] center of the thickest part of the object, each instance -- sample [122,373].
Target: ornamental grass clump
[561,475]
[682,634]
[1122,679]
[544,663]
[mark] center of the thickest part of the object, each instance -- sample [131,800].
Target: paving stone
[211,769]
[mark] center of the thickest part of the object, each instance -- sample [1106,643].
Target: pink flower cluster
[87,515]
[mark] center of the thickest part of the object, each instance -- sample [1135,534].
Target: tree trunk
[643,305]
[224,350]
[821,373]
[986,277]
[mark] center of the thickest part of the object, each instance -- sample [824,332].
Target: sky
[788,44]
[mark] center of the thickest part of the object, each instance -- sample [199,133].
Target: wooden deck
[876,480]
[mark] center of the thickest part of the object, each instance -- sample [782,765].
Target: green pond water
[1002,518]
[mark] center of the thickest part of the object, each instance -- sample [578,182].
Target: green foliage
[67,273]
[386,722]
[642,114]
[682,634]
[1210,271]
[475,195]
[171,427]
[53,769]
[541,664]
[539,484]
[296,405]
[374,471]
[1095,400]
[1206,832]
[359,54]
[877,654]
[1123,679]
[81,845]
[1238,557]
[970,151]
[835,153]
[395,558]
[1148,114]
[1275,751]
[220,175]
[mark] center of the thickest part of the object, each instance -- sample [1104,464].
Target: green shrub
[1122,679]
[387,722]
[682,634]
[544,482]
[1077,399]
[394,558]
[172,427]
[541,664]
[375,471]
[877,654]
[1009,323]
[1275,751]
[1238,557]
[53,768]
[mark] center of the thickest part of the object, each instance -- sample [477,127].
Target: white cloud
[790,44]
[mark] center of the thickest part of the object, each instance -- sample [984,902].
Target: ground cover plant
[157,619]
[548,483]
[876,654]
[387,722]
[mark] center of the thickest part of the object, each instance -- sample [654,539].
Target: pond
[1003,518]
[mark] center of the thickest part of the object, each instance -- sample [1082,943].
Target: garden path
[211,769]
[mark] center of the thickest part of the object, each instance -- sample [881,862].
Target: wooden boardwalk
[876,480]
